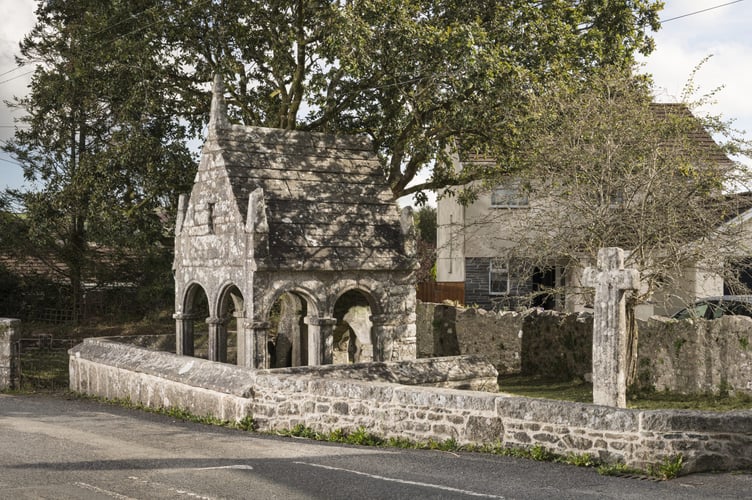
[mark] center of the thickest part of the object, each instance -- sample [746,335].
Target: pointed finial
[218,114]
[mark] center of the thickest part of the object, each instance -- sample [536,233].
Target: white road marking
[171,489]
[109,493]
[404,481]
[234,467]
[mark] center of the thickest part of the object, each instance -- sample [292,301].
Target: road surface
[56,448]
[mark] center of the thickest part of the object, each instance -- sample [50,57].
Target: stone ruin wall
[687,356]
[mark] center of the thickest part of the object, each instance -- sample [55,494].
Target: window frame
[514,196]
[502,266]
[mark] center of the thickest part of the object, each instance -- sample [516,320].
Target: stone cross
[610,281]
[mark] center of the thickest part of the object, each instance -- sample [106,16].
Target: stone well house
[299,221]
[473,240]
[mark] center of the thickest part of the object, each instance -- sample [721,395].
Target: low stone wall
[281,399]
[9,355]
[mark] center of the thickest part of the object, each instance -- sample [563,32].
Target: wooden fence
[430,291]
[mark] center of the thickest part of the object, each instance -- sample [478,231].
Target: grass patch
[538,387]
[44,370]
[582,392]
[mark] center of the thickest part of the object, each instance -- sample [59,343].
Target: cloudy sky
[692,30]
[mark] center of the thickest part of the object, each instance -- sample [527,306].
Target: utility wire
[700,11]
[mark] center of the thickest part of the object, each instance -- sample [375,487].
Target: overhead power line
[700,11]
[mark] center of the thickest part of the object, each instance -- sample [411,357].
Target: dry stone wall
[282,399]
[686,356]
[696,356]
[448,330]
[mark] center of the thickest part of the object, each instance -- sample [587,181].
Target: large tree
[100,143]
[418,76]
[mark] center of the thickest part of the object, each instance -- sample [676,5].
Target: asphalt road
[54,448]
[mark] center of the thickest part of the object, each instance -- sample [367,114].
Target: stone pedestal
[10,369]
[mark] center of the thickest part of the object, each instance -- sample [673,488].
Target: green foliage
[400,442]
[540,453]
[44,370]
[247,423]
[103,144]
[618,469]
[449,444]
[363,437]
[417,76]
[670,468]
[579,460]
[744,342]
[678,343]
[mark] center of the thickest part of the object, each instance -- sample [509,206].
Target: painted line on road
[169,488]
[109,493]
[404,481]
[233,467]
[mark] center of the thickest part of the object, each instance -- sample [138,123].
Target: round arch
[291,314]
[191,323]
[353,338]
[229,322]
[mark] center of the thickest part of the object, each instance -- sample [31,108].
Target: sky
[692,30]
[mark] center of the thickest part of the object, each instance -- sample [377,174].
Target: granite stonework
[10,334]
[318,398]
[696,356]
[280,212]
[681,356]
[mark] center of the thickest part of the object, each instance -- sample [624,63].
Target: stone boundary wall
[282,399]
[696,356]
[445,330]
[683,356]
[10,333]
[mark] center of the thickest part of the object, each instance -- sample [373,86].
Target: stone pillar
[252,349]
[610,281]
[10,363]
[383,337]
[184,334]
[320,340]
[245,343]
[217,339]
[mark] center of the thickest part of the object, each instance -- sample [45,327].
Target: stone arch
[227,324]
[354,337]
[294,334]
[190,324]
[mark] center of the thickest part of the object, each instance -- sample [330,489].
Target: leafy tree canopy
[418,76]
[100,141]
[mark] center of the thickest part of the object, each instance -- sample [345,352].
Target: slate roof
[703,141]
[328,205]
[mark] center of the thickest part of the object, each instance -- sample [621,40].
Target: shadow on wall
[682,356]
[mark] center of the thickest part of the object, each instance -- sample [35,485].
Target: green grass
[537,387]
[44,370]
[582,392]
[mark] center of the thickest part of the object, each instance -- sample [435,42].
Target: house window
[511,195]
[498,277]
